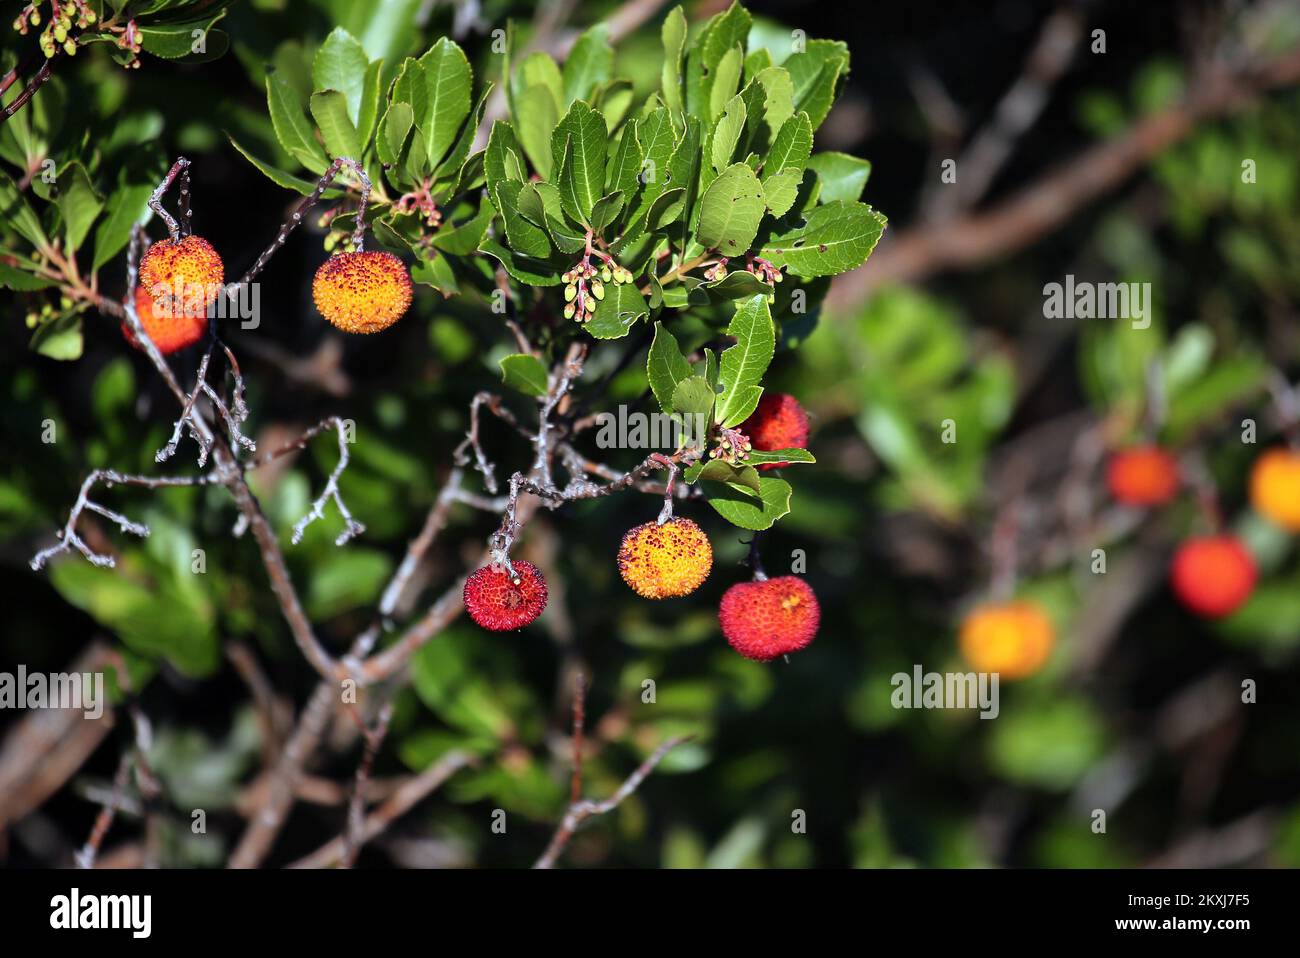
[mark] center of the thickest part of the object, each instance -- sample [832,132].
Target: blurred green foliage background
[1138,711]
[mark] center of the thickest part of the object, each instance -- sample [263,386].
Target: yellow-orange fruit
[183,277]
[1275,487]
[169,331]
[1142,476]
[1013,638]
[665,561]
[362,292]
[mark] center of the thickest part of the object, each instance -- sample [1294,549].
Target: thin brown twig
[578,812]
[579,718]
[397,805]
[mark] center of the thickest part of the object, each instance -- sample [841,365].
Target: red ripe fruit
[501,602]
[169,331]
[778,422]
[1142,476]
[765,620]
[1213,575]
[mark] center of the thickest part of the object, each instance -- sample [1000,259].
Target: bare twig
[401,802]
[578,812]
[68,537]
[331,491]
[353,832]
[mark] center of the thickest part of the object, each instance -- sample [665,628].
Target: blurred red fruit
[1142,476]
[1213,575]
[778,422]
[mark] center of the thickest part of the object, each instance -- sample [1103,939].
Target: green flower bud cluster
[57,32]
[47,312]
[584,286]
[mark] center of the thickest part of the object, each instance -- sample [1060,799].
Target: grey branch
[352,527]
[68,537]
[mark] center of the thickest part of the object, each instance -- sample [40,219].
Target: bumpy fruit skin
[1213,575]
[1142,476]
[1012,638]
[1275,487]
[777,422]
[765,620]
[665,561]
[362,292]
[498,602]
[184,276]
[168,331]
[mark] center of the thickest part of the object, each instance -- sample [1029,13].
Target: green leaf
[567,238]
[524,372]
[451,682]
[816,71]
[718,470]
[791,148]
[78,203]
[330,109]
[778,99]
[537,118]
[726,81]
[291,127]
[743,507]
[588,65]
[125,208]
[758,458]
[20,280]
[665,367]
[582,176]
[526,269]
[738,284]
[693,397]
[674,39]
[451,165]
[842,177]
[369,113]
[606,210]
[393,131]
[346,579]
[525,236]
[280,177]
[780,191]
[59,338]
[412,88]
[340,64]
[464,239]
[158,619]
[498,164]
[836,237]
[742,366]
[449,81]
[15,211]
[615,315]
[625,167]
[667,209]
[729,29]
[177,41]
[731,210]
[726,134]
[540,69]
[658,141]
